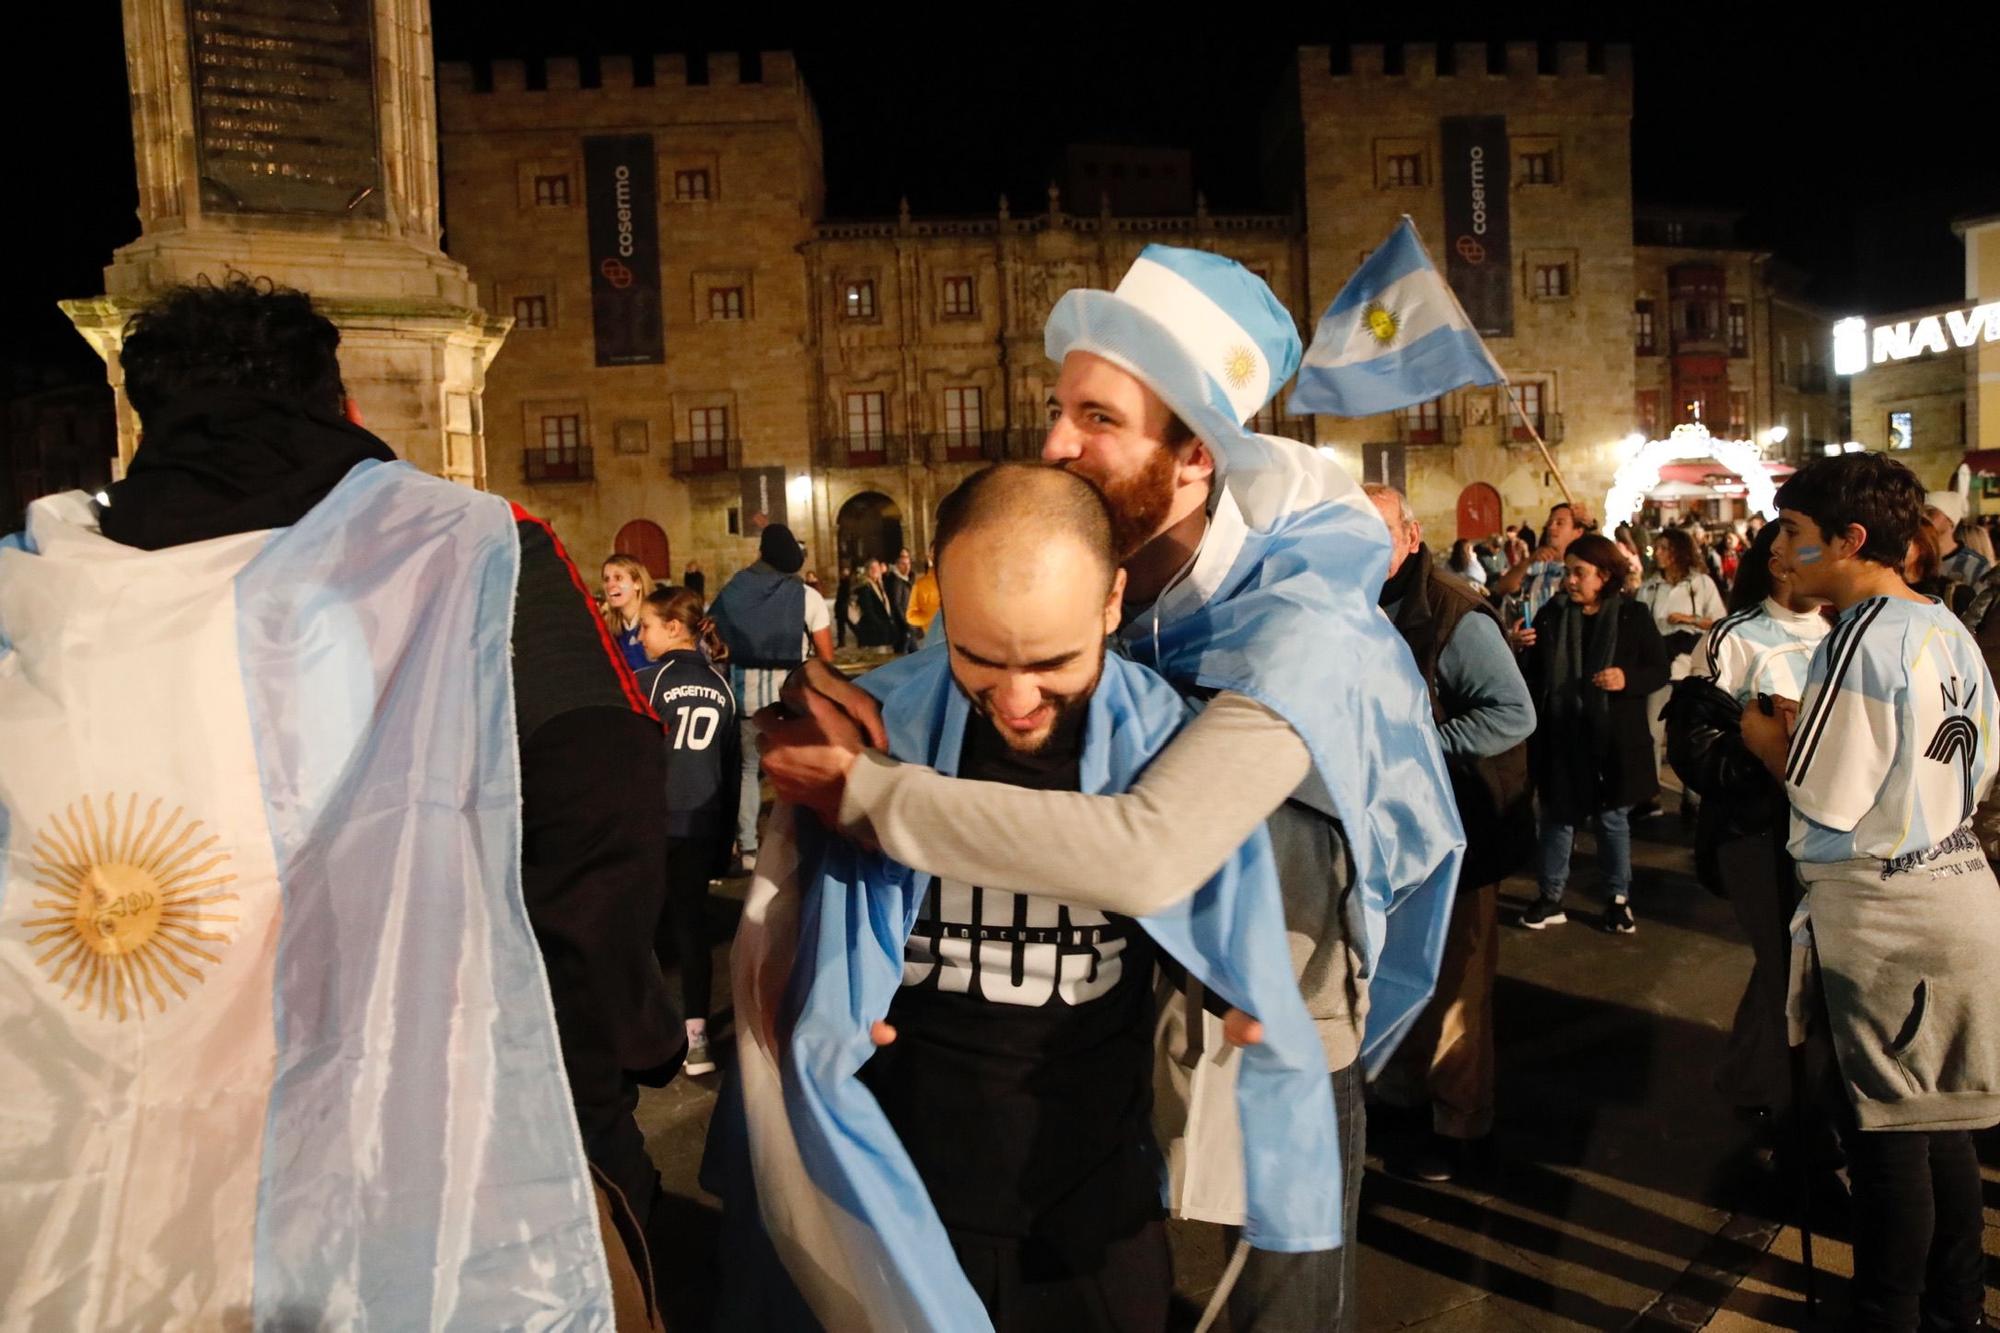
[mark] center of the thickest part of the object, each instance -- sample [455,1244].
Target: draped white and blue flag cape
[1394,336]
[1280,607]
[823,957]
[1279,603]
[277,1045]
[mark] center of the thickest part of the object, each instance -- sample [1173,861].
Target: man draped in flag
[996,1161]
[330,840]
[1253,566]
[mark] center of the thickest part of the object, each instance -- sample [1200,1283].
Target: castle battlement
[1467,62]
[615,75]
[738,90]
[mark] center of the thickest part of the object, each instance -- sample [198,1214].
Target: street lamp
[798,491]
[1776,435]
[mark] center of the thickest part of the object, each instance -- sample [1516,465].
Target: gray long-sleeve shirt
[1232,768]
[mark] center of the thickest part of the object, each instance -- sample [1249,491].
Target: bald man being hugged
[998,1148]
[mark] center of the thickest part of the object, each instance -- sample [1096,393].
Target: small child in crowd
[697,709]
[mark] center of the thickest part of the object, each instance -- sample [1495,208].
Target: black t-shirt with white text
[1021,1077]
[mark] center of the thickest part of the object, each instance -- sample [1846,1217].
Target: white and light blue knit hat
[1200,330]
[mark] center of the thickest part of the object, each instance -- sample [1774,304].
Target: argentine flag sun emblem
[1394,336]
[1382,323]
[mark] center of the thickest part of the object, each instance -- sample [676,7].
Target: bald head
[1030,590]
[1019,517]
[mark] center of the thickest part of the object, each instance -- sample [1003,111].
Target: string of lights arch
[1638,474]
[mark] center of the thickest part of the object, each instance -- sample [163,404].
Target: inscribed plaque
[284,106]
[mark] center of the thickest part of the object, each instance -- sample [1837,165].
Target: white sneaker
[698,1061]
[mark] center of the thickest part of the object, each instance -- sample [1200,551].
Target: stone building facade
[1369,150]
[864,366]
[930,345]
[1719,329]
[1916,409]
[642,457]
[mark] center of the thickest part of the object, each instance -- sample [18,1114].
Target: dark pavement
[1624,1192]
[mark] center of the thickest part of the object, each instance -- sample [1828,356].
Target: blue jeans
[1614,854]
[1313,1292]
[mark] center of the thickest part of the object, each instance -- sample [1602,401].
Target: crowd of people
[1111,901]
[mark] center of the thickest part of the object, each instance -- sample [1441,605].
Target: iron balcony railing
[573,463]
[693,458]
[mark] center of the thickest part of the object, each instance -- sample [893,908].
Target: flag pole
[1506,385]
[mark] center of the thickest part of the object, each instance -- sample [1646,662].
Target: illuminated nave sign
[1856,346]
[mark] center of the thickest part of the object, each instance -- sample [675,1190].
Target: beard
[1062,729]
[1139,504]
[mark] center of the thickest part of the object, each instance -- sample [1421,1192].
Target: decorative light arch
[1640,473]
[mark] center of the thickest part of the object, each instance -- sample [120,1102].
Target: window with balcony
[691,186]
[858,302]
[708,439]
[959,296]
[1423,423]
[867,428]
[963,413]
[561,456]
[1404,169]
[1739,414]
[1739,329]
[1674,233]
[1644,338]
[531,312]
[1528,401]
[1646,409]
[1551,281]
[1538,168]
[725,303]
[552,191]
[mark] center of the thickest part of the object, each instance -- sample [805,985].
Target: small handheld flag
[1395,336]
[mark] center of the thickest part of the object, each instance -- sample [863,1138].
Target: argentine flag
[1395,336]
[276,1045]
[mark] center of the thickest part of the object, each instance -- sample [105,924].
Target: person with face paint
[1884,758]
[1594,659]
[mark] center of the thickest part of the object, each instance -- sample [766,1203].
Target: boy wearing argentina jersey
[1890,748]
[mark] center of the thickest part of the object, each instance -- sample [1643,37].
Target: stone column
[296,141]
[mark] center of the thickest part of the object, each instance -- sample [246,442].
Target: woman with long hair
[1594,660]
[697,709]
[1685,603]
[627,584]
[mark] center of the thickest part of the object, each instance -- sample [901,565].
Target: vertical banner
[1478,256]
[763,498]
[622,194]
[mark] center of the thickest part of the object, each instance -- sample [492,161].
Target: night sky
[1847,147]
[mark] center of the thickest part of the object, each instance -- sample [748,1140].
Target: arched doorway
[1478,512]
[643,539]
[869,524]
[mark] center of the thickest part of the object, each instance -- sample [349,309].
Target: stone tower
[296,141]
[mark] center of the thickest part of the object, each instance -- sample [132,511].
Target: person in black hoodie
[685,686]
[1593,657]
[247,426]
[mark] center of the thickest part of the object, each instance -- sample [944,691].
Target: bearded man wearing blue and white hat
[1252,567]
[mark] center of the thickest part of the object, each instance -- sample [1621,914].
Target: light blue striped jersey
[1540,585]
[1894,743]
[1762,649]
